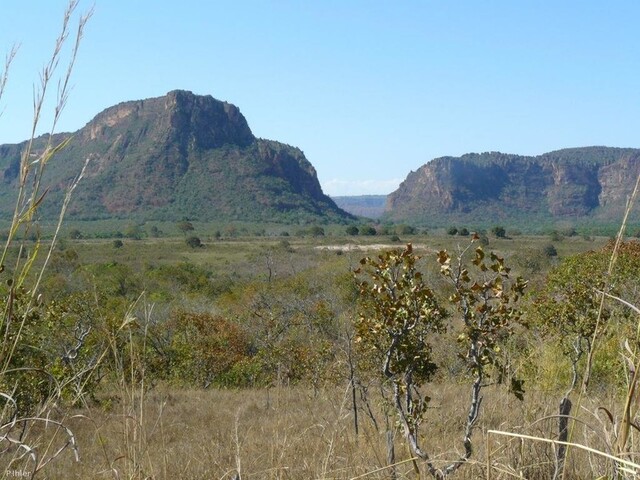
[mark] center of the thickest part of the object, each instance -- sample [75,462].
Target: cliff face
[181,155]
[568,183]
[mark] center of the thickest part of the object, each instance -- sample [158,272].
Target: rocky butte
[180,155]
[590,184]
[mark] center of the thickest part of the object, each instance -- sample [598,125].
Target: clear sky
[368,89]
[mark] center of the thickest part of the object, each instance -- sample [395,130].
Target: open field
[292,433]
[235,357]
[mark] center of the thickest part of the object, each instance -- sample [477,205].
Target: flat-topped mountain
[180,155]
[580,183]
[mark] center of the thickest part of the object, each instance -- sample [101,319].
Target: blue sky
[368,89]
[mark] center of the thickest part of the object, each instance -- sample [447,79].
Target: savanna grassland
[309,348]
[242,356]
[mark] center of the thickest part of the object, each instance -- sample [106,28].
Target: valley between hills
[192,156]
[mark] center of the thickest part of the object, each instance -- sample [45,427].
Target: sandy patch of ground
[352,247]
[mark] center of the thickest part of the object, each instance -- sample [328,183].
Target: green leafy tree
[367,230]
[569,309]
[405,230]
[134,232]
[352,230]
[570,312]
[566,310]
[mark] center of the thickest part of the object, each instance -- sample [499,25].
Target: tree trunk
[563,435]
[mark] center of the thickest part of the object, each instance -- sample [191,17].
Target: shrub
[405,230]
[185,226]
[499,231]
[204,349]
[550,250]
[555,236]
[134,232]
[316,231]
[194,242]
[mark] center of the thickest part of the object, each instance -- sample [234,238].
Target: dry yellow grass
[288,433]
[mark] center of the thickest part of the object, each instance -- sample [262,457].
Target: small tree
[194,242]
[352,230]
[405,230]
[133,231]
[75,234]
[317,231]
[367,230]
[499,231]
[185,226]
[399,315]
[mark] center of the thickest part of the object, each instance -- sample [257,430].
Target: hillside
[180,155]
[588,184]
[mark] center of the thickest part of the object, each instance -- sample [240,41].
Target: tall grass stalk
[129,366]
[628,466]
[22,293]
[32,168]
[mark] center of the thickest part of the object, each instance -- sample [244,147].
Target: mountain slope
[581,183]
[181,155]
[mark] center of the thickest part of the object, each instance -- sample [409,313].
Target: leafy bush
[204,349]
[316,231]
[193,242]
[405,230]
[499,231]
[550,250]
